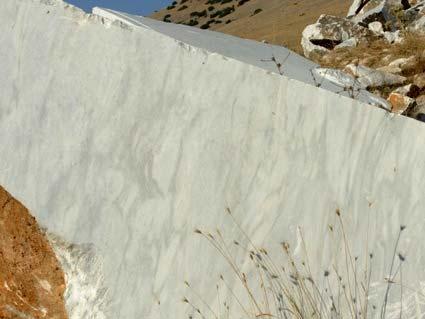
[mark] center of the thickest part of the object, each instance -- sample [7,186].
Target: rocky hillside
[275,21]
[380,47]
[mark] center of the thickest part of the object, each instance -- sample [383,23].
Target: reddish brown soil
[31,280]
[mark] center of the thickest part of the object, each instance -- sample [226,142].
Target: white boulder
[373,78]
[329,32]
[376,27]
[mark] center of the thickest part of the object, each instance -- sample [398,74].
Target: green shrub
[242,2]
[257,11]
[199,14]
[167,18]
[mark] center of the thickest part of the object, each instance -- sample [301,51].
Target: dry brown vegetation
[378,53]
[292,289]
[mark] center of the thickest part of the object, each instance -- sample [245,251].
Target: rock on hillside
[275,21]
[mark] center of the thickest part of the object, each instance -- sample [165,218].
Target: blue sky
[140,7]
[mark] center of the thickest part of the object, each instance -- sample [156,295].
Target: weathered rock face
[31,280]
[328,33]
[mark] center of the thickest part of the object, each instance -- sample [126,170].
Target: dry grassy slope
[280,22]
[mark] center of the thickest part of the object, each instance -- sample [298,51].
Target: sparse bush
[242,2]
[211,8]
[223,12]
[170,7]
[182,8]
[167,18]
[199,14]
[192,23]
[205,26]
[257,11]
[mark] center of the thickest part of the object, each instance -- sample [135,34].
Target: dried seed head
[264,251]
[401,257]
[338,212]
[326,274]
[197,231]
[185,300]
[228,211]
[186,283]
[285,246]
[402,227]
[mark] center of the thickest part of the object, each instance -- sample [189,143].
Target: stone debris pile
[380,45]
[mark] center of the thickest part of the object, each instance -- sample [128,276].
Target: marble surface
[273,58]
[126,139]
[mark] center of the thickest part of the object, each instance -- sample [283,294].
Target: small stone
[393,37]
[419,80]
[400,103]
[386,59]
[376,27]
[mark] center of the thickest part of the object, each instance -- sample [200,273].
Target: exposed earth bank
[32,282]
